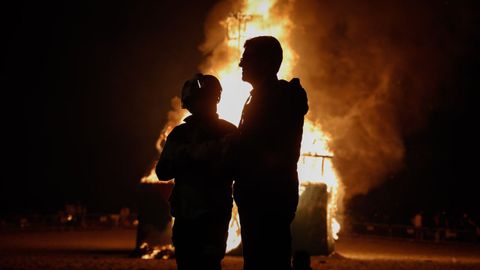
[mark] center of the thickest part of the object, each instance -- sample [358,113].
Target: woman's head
[201,94]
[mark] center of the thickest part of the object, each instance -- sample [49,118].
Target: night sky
[87,88]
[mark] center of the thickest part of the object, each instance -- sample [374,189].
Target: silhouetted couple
[206,154]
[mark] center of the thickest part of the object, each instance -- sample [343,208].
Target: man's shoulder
[292,87]
[294,93]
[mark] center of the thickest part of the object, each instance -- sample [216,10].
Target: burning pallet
[311,229]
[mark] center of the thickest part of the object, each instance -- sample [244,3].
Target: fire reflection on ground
[109,249]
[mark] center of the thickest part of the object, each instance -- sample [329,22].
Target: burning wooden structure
[314,228]
[311,229]
[154,220]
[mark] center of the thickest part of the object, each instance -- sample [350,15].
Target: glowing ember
[162,252]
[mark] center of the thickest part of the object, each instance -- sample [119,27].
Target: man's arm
[165,167]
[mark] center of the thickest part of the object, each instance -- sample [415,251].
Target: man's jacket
[270,137]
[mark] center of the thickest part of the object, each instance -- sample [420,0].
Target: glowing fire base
[311,230]
[154,220]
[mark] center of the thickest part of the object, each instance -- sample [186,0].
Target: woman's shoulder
[227,126]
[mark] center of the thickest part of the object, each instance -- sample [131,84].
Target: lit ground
[109,249]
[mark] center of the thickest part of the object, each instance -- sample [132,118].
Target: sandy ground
[109,249]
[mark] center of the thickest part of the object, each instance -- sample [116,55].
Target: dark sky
[87,87]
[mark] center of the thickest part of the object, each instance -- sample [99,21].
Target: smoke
[217,53]
[372,70]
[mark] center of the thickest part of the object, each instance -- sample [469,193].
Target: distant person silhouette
[201,199]
[268,148]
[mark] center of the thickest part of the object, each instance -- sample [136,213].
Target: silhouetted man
[201,200]
[266,188]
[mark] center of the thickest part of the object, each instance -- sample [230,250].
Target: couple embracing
[211,160]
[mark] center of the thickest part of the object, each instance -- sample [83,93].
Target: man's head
[201,94]
[261,59]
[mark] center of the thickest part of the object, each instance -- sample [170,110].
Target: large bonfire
[255,18]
